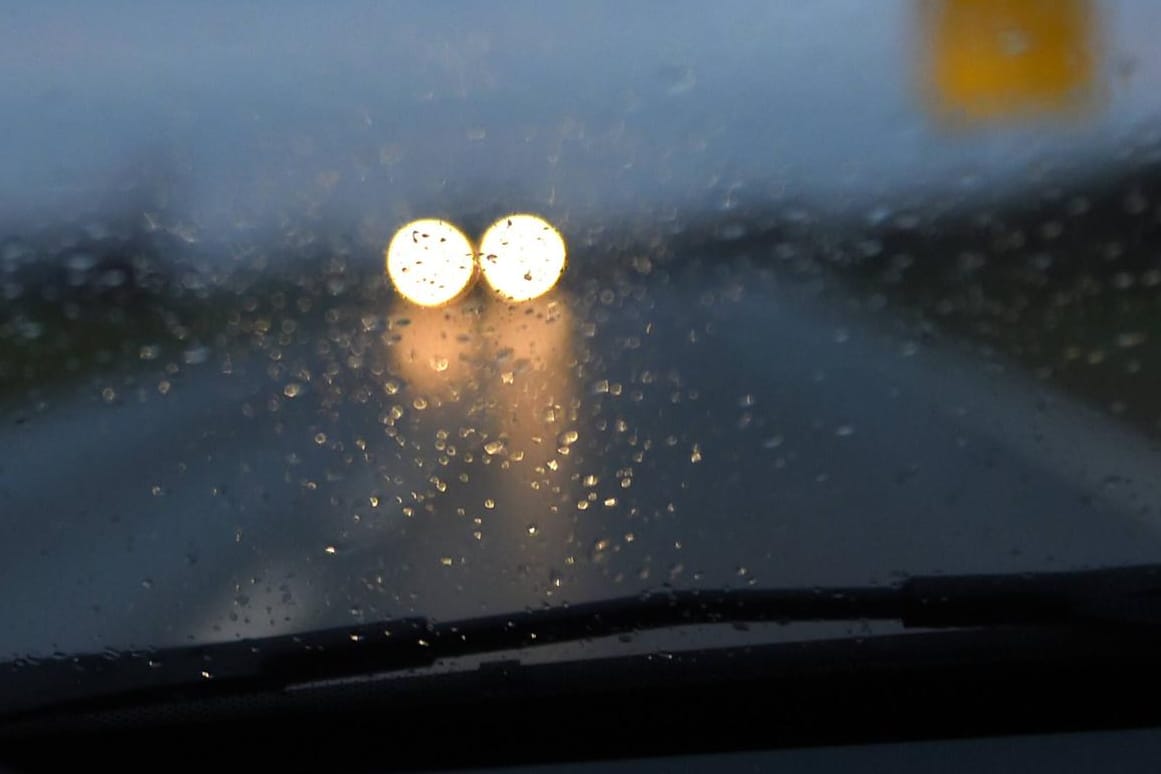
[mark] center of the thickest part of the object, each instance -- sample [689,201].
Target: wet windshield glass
[699,295]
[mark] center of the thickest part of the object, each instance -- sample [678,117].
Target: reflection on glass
[530,389]
[522,257]
[433,349]
[431,262]
[506,445]
[993,59]
[531,409]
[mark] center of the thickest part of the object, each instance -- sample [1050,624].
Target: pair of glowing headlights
[432,263]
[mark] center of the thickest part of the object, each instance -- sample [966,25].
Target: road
[699,428]
[687,409]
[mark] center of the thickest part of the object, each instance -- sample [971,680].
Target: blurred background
[853,290]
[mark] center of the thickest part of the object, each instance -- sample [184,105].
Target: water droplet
[731,232]
[31,330]
[1135,202]
[878,215]
[80,262]
[1130,339]
[196,355]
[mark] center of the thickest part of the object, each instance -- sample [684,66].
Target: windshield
[807,293]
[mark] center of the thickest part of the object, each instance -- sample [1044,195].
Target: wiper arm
[1123,598]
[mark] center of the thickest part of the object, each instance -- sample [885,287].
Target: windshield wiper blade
[1123,599]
